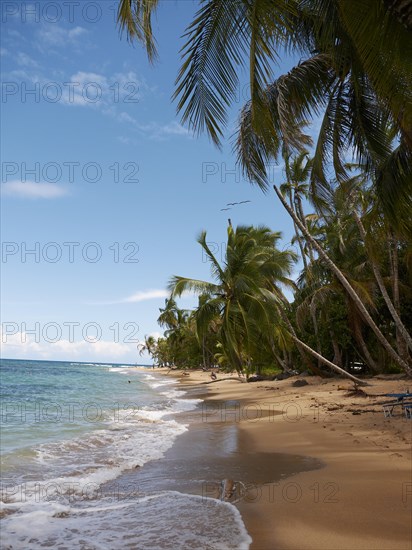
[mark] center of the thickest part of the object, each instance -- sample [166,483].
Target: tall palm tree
[247,296]
[372,259]
[148,346]
[348,288]
[297,172]
[177,323]
[240,295]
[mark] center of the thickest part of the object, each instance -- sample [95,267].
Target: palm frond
[135,17]
[394,189]
[177,285]
[290,101]
[384,48]
[207,80]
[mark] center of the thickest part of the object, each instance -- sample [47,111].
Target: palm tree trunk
[316,329]
[362,344]
[285,318]
[337,355]
[298,237]
[400,327]
[347,286]
[302,217]
[304,347]
[282,363]
[328,363]
[394,266]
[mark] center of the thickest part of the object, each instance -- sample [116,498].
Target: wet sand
[345,470]
[314,467]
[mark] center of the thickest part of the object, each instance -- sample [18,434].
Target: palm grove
[353,298]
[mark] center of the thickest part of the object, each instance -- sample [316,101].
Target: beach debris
[228,488]
[255,378]
[63,514]
[238,379]
[356,392]
[300,382]
[335,407]
[283,376]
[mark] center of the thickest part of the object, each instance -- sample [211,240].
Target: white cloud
[21,345]
[174,128]
[109,94]
[154,130]
[33,190]
[25,60]
[144,295]
[140,296]
[125,117]
[85,78]
[126,140]
[53,35]
[77,31]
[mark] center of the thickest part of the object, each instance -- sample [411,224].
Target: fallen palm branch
[222,379]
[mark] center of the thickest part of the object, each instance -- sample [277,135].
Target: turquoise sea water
[67,429]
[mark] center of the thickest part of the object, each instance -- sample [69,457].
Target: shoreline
[360,499]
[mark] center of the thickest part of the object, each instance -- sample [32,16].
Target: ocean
[69,431]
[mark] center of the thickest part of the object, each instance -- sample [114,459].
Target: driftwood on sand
[227,378]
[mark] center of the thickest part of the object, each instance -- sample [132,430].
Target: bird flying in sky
[233,203]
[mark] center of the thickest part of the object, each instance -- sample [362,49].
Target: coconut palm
[356,70]
[148,346]
[297,172]
[240,295]
[369,241]
[346,284]
[247,296]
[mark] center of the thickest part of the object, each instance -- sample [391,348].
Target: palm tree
[177,323]
[347,286]
[356,68]
[297,173]
[367,240]
[248,298]
[149,346]
[240,296]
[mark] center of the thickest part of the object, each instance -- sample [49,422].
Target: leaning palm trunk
[298,236]
[347,286]
[286,320]
[400,327]
[305,348]
[305,223]
[328,363]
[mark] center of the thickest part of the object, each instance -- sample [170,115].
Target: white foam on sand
[65,507]
[168,521]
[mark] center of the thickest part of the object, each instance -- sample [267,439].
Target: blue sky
[103,183]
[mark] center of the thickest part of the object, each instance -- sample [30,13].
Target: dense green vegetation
[245,322]
[352,301]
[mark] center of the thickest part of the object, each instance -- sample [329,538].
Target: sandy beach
[349,484]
